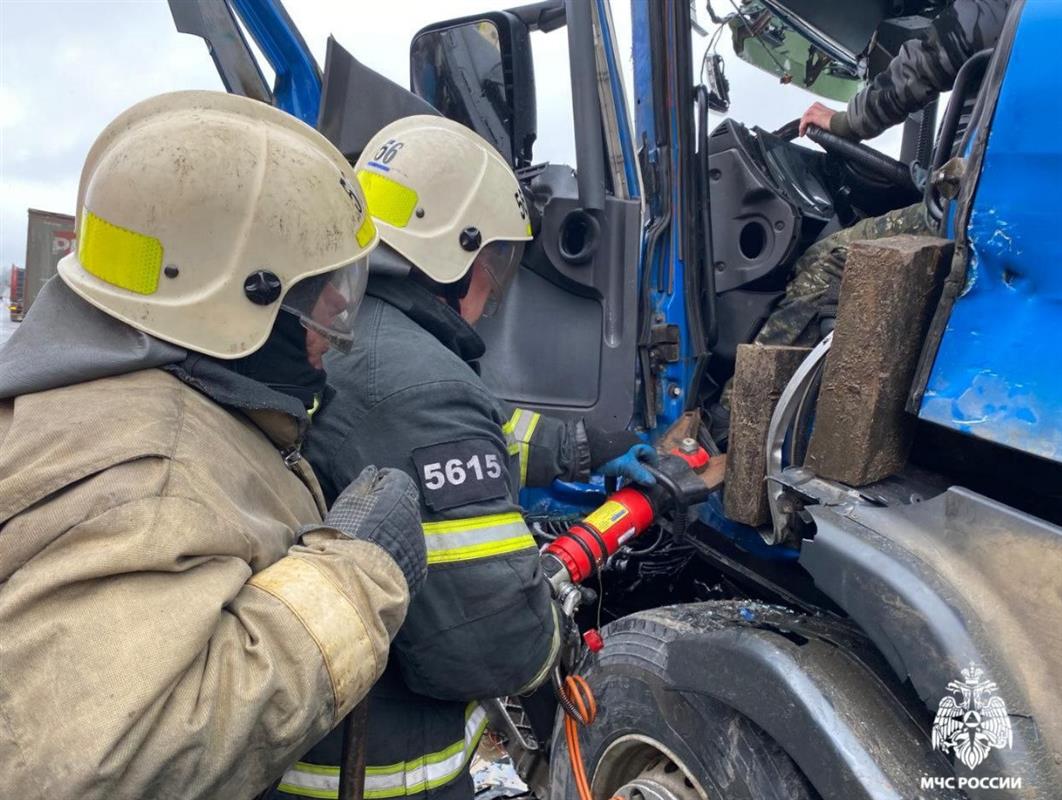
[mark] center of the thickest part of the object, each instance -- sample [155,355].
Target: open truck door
[565,340]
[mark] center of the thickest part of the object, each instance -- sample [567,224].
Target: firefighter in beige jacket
[176,619]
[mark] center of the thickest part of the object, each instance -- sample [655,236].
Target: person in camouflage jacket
[920,71]
[916,75]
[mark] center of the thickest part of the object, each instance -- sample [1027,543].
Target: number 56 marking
[455,471]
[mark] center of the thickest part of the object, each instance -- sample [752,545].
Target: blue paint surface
[564,499]
[998,370]
[744,536]
[667,267]
[297,88]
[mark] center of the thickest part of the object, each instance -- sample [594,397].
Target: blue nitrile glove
[631,465]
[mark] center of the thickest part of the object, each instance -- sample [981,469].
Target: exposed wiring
[786,76]
[712,15]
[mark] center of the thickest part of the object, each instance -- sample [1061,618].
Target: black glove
[382,506]
[607,445]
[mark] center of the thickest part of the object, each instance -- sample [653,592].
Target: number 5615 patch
[458,473]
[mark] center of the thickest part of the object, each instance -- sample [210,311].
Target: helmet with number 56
[443,198]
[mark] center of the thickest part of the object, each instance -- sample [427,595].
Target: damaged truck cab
[871,606]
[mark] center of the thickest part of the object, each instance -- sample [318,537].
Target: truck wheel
[654,741]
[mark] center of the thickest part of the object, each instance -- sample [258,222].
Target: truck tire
[654,741]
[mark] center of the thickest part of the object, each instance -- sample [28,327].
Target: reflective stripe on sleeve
[512,445]
[518,432]
[405,778]
[311,780]
[476,537]
[332,621]
[554,648]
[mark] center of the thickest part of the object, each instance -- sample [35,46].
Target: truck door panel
[565,339]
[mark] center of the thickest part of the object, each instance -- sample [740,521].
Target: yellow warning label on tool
[607,516]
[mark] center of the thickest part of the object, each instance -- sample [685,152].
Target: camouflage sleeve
[922,69]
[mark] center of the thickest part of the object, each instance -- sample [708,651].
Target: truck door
[565,339]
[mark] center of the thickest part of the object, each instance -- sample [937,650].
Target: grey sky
[67,67]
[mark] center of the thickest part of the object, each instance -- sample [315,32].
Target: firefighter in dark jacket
[452,214]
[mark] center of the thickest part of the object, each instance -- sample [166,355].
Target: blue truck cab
[895,638]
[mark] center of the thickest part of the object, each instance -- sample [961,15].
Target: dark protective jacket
[407,396]
[923,68]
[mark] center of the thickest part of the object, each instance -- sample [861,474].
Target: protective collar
[425,309]
[281,417]
[65,340]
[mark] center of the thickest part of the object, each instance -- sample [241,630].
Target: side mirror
[478,71]
[718,85]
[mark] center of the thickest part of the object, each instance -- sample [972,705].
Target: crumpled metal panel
[998,370]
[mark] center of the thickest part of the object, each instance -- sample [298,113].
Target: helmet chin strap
[385,260]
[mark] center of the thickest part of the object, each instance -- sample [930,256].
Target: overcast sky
[67,67]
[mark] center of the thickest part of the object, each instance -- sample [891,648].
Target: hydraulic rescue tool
[628,513]
[572,558]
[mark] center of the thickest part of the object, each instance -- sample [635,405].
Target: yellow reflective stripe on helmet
[519,430]
[476,537]
[366,232]
[389,201]
[119,256]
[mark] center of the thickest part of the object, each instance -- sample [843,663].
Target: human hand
[817,115]
[631,465]
[381,506]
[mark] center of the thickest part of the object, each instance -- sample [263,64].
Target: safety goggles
[500,260]
[327,304]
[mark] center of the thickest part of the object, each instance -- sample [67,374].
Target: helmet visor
[500,260]
[326,304]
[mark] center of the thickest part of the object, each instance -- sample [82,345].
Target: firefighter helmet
[443,198]
[201,214]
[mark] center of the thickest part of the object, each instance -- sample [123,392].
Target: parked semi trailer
[15,292]
[49,237]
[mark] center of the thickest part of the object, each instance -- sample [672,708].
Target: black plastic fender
[808,683]
[951,581]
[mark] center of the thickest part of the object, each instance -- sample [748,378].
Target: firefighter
[453,220]
[176,620]
[915,76]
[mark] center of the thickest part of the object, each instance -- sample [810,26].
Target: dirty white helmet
[442,196]
[201,214]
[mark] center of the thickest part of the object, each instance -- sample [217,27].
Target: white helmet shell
[188,196]
[439,193]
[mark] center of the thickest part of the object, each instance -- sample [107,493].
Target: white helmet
[441,196]
[201,214]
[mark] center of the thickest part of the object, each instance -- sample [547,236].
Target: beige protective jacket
[160,635]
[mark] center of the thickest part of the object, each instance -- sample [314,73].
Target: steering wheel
[856,153]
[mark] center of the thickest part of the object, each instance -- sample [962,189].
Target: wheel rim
[637,767]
